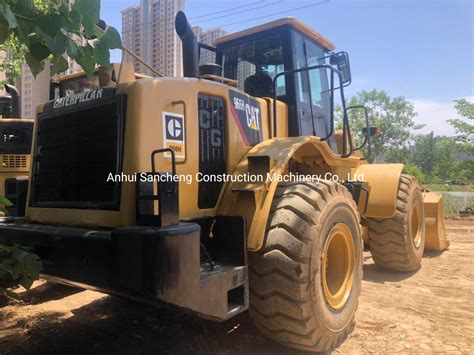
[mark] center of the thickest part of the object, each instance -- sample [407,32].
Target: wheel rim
[338,266]
[416,225]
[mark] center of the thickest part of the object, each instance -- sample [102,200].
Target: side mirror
[341,60]
[372,130]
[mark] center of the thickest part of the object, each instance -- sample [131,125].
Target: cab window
[318,77]
[254,64]
[312,94]
[78,85]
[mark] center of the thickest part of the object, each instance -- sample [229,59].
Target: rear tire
[398,243]
[297,299]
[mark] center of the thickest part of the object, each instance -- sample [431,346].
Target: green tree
[401,154]
[395,117]
[435,157]
[465,172]
[425,153]
[446,166]
[11,65]
[48,30]
[464,129]
[414,171]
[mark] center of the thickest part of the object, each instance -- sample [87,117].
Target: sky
[422,50]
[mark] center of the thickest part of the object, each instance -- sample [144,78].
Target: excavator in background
[278,206]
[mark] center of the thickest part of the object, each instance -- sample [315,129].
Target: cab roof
[297,24]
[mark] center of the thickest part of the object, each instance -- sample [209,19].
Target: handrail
[367,135]
[173,164]
[160,151]
[331,108]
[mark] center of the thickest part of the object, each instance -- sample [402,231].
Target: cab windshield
[254,64]
[77,85]
[256,60]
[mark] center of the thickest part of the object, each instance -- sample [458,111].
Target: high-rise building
[33,91]
[148,30]
[208,37]
[131,32]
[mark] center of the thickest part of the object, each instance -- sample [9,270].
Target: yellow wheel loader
[225,190]
[15,146]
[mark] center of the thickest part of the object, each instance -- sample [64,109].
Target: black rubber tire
[286,297]
[390,240]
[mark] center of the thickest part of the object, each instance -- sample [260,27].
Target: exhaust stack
[189,45]
[15,95]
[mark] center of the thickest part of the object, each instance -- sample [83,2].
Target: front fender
[253,200]
[384,180]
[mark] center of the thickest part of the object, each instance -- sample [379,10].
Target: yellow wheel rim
[416,225]
[338,266]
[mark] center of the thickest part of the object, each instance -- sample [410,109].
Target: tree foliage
[50,30]
[414,171]
[395,117]
[425,153]
[18,266]
[11,65]
[432,155]
[446,165]
[430,158]
[464,128]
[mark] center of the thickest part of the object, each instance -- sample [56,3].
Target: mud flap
[435,231]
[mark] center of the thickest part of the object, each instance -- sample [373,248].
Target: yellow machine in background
[15,146]
[435,232]
[225,190]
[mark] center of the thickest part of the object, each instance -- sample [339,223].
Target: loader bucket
[435,233]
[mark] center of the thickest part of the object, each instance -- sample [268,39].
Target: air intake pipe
[190,46]
[15,94]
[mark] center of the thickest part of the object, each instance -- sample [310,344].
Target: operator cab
[79,82]
[254,57]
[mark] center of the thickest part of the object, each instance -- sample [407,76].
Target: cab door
[311,89]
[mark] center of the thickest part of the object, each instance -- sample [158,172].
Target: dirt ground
[431,310]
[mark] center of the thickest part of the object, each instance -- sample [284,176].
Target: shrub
[414,171]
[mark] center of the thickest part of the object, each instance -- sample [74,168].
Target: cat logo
[247,114]
[252,114]
[174,127]
[174,134]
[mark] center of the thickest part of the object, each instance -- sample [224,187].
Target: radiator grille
[212,159]
[14,161]
[76,151]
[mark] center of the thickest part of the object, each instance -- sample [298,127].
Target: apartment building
[33,91]
[208,37]
[148,30]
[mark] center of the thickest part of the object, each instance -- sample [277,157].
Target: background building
[148,30]
[131,32]
[208,37]
[33,91]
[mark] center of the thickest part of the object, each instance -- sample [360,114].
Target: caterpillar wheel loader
[225,190]
[16,133]
[15,146]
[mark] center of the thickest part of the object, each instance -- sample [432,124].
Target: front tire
[305,282]
[397,243]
